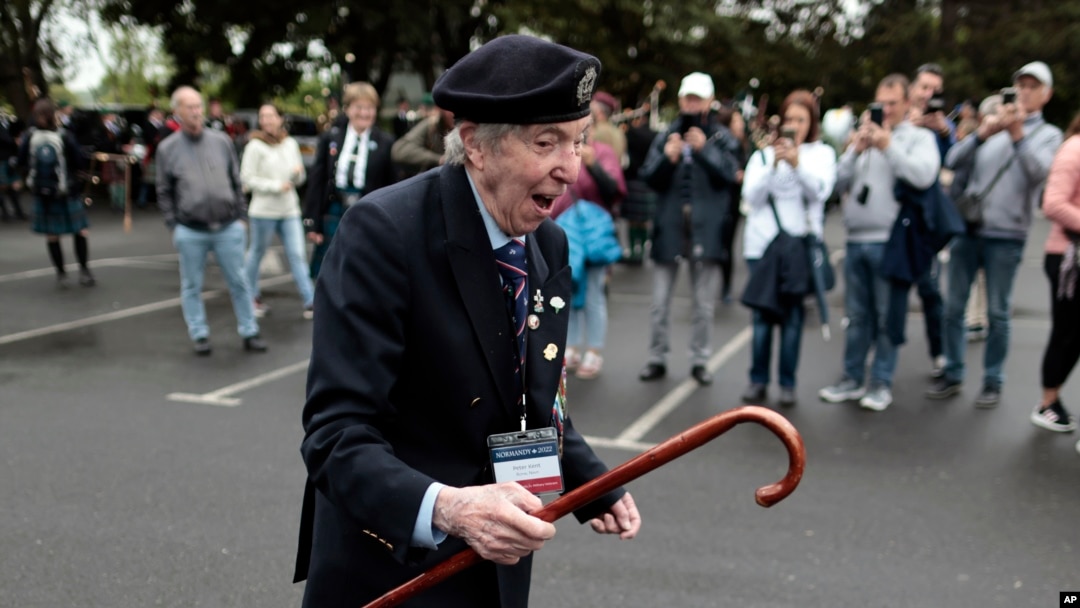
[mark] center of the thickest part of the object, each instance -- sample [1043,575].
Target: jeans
[790,342]
[1000,259]
[228,247]
[929,288]
[866,300]
[594,315]
[704,285]
[291,232]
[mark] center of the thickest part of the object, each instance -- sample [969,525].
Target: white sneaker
[844,390]
[877,398]
[590,366]
[260,308]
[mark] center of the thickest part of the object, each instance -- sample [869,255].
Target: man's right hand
[673,147]
[493,519]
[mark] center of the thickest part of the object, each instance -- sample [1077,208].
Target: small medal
[538,308]
[550,352]
[557,303]
[533,321]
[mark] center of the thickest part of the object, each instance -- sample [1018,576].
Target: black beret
[519,80]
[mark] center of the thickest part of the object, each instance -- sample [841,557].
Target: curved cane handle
[630,470]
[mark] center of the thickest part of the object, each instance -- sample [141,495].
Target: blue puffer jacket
[590,232]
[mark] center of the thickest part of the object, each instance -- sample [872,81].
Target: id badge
[530,458]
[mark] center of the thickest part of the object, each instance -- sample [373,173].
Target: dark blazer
[321,190]
[411,371]
[705,184]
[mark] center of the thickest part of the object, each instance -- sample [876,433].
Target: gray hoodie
[912,156]
[198,181]
[1007,207]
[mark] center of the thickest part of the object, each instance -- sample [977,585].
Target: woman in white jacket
[271,169]
[797,172]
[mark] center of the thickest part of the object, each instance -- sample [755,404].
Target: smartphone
[688,121]
[1008,95]
[877,114]
[935,104]
[787,133]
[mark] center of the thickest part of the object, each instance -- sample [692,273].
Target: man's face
[1031,94]
[924,87]
[215,109]
[361,113]
[894,104]
[519,183]
[189,112]
[692,104]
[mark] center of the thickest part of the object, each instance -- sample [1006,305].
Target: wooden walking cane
[630,470]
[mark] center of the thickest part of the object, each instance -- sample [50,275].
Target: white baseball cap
[697,83]
[1037,70]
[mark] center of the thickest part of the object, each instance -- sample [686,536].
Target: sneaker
[255,344]
[943,389]
[62,281]
[1053,417]
[988,397]
[652,371]
[755,394]
[309,312]
[845,390]
[260,308]
[937,367]
[702,375]
[590,365]
[202,347]
[877,398]
[787,396]
[573,359]
[86,279]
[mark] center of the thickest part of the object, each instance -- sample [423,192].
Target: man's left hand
[622,519]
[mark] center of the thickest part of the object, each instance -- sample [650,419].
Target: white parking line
[675,398]
[221,397]
[123,314]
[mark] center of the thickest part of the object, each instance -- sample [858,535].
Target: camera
[935,104]
[1008,95]
[877,114]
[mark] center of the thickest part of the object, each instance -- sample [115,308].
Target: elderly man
[692,170]
[1007,158]
[440,329]
[199,193]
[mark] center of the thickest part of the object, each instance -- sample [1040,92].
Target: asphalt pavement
[136,474]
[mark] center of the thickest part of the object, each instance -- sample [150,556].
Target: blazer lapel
[473,264]
[546,343]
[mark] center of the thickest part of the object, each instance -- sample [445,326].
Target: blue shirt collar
[495,234]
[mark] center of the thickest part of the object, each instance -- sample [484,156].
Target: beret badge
[586,86]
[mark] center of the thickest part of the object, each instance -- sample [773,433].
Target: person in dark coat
[352,159]
[421,353]
[692,170]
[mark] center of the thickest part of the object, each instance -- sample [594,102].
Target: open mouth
[543,202]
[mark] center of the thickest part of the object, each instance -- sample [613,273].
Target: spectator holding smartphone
[878,156]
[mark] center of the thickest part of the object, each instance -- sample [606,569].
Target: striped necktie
[510,260]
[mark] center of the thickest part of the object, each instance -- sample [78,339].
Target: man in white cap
[1008,158]
[691,169]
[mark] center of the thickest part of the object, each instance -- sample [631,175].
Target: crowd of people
[496,159]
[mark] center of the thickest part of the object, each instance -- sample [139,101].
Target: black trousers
[1063,349]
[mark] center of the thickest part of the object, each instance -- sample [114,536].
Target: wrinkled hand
[673,147]
[493,519]
[622,519]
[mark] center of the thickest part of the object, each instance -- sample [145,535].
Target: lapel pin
[533,321]
[550,352]
[538,308]
[557,303]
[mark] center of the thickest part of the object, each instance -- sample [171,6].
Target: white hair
[486,134]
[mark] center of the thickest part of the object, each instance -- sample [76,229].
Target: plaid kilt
[60,217]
